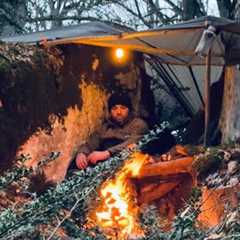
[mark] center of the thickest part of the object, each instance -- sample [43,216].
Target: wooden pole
[207,99]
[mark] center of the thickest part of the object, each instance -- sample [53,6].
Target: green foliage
[15,173]
[184,226]
[4,63]
[151,223]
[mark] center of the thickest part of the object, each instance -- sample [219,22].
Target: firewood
[182,165]
[158,192]
[151,182]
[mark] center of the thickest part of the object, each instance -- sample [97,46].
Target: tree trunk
[227,8]
[192,9]
[229,120]
[188,9]
[230,115]
[237,12]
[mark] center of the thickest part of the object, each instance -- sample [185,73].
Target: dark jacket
[114,137]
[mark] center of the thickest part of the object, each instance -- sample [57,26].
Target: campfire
[118,212]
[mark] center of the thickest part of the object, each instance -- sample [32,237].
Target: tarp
[174,44]
[84,30]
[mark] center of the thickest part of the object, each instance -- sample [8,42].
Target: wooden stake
[207,99]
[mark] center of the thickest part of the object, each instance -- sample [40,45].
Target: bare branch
[68,215]
[157,11]
[61,18]
[140,14]
[175,7]
[132,12]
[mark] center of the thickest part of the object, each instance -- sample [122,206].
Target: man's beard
[120,120]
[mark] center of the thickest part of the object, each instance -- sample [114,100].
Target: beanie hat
[119,99]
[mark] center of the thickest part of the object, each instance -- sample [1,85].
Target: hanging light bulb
[119,52]
[120,56]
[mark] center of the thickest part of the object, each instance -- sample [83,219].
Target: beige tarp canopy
[180,50]
[174,44]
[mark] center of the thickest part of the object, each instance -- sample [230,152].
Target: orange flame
[118,208]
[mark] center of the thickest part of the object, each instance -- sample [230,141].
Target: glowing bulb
[119,53]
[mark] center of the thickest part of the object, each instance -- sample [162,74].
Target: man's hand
[166,157]
[81,161]
[96,156]
[132,146]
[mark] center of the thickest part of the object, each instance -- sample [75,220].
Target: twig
[68,215]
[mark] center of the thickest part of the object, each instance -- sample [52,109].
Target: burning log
[157,179]
[158,192]
[182,165]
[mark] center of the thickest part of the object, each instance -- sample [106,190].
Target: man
[120,131]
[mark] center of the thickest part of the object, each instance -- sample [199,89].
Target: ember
[117,213]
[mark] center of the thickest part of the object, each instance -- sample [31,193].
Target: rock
[232,167]
[211,177]
[227,156]
[215,203]
[233,181]
[214,180]
[235,153]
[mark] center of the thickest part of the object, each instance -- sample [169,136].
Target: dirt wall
[53,98]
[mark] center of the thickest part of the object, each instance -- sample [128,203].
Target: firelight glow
[118,208]
[119,52]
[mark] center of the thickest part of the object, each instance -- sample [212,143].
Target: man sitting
[120,131]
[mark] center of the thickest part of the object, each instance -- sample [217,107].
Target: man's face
[119,113]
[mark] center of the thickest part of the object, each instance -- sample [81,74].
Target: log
[182,165]
[157,179]
[158,192]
